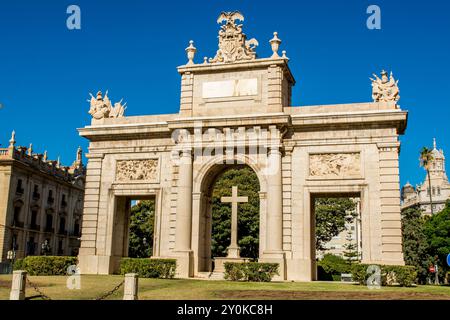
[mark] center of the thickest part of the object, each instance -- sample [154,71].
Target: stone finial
[30,150]
[58,162]
[45,156]
[434,143]
[191,50]
[284,55]
[79,154]
[12,141]
[205,60]
[275,44]
[385,89]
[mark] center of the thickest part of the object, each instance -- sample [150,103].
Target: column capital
[186,152]
[275,149]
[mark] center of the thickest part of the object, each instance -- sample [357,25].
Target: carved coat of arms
[233,45]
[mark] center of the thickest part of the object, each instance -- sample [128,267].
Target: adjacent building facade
[41,203]
[419,196]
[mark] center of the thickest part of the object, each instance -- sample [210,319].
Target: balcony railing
[62,232]
[17,224]
[35,227]
[49,229]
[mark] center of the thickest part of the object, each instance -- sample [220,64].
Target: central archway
[203,204]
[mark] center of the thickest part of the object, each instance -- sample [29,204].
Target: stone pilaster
[187,89]
[274,224]
[88,261]
[391,234]
[184,216]
[275,82]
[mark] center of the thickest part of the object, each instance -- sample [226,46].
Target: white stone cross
[233,249]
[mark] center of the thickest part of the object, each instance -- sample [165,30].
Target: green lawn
[94,286]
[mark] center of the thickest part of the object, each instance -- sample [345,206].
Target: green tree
[415,245]
[330,218]
[426,159]
[248,213]
[351,247]
[437,231]
[141,229]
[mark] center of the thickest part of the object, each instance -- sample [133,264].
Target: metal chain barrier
[110,293]
[102,297]
[36,288]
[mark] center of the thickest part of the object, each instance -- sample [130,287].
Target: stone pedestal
[18,285]
[233,252]
[219,263]
[130,288]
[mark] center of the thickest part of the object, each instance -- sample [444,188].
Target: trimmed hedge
[149,268]
[250,271]
[331,267]
[405,276]
[45,265]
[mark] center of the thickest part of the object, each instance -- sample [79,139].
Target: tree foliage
[437,231]
[415,245]
[248,213]
[331,217]
[141,227]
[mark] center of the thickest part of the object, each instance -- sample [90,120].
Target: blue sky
[132,49]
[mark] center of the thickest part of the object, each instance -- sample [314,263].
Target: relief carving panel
[335,165]
[136,170]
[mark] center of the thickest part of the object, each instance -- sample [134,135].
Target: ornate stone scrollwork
[233,43]
[335,165]
[135,170]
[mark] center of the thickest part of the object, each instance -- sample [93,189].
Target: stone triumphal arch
[236,108]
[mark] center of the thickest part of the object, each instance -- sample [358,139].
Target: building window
[31,247]
[439,191]
[76,228]
[62,225]
[428,191]
[60,247]
[19,188]
[434,191]
[33,224]
[16,219]
[36,194]
[49,223]
[14,244]
[63,201]
[50,198]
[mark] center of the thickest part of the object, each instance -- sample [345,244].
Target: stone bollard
[18,285]
[130,289]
